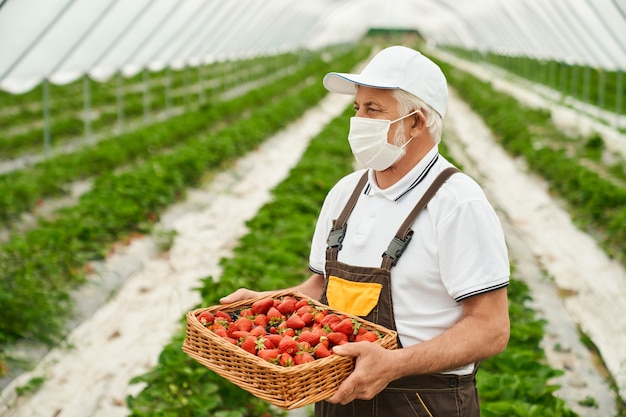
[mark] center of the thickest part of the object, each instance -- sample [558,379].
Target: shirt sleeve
[473,253]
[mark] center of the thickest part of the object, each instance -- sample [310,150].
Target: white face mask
[368,141]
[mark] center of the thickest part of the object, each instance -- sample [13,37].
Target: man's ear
[419,119]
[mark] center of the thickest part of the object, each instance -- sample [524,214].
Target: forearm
[312,287]
[483,331]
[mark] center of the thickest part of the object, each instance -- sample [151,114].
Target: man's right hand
[241,294]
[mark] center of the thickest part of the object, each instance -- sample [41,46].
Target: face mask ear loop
[404,117]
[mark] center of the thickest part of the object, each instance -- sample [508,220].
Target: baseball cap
[397,67]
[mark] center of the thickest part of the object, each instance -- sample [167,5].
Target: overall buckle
[397,246]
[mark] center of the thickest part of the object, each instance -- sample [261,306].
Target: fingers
[240,294]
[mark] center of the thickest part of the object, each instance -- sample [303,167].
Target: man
[437,274]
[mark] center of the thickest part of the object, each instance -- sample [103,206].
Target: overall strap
[404,234]
[338,231]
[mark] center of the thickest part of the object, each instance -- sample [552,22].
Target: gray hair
[407,102]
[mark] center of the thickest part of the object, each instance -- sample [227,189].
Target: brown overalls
[366,292]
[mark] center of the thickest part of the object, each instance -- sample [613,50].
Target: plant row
[23,189]
[596,86]
[596,203]
[138,97]
[274,255]
[40,267]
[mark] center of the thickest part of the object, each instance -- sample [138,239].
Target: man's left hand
[370,376]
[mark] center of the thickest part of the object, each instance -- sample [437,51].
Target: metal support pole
[46,118]
[619,98]
[87,108]
[168,91]
[146,96]
[120,103]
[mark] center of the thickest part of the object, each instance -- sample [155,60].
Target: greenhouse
[158,157]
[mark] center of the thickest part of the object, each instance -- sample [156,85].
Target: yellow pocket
[356,298]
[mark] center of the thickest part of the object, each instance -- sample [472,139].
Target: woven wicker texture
[286,387]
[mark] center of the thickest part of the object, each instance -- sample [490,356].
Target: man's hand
[240,294]
[371,373]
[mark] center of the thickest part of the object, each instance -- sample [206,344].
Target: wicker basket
[286,387]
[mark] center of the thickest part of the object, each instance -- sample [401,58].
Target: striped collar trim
[394,192]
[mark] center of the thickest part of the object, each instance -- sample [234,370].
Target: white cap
[397,67]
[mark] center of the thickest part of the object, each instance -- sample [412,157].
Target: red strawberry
[337,338]
[295,322]
[321,351]
[304,309]
[286,359]
[258,331]
[301,303]
[287,306]
[303,357]
[330,319]
[288,345]
[263,343]
[309,337]
[304,347]
[274,338]
[262,306]
[244,323]
[246,312]
[239,334]
[307,318]
[366,337]
[206,318]
[274,316]
[347,326]
[288,332]
[319,315]
[269,355]
[261,320]
[249,344]
[223,315]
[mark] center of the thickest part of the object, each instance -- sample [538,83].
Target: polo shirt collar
[406,183]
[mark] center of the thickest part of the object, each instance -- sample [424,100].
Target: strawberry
[258,331]
[319,315]
[366,337]
[288,345]
[286,359]
[304,347]
[262,306]
[261,320]
[223,315]
[288,332]
[301,303]
[337,338]
[295,322]
[244,323]
[321,351]
[309,337]
[269,355]
[303,357]
[206,318]
[304,309]
[249,345]
[263,343]
[330,319]
[274,315]
[239,334]
[246,312]
[307,318]
[287,306]
[347,326]
[274,338]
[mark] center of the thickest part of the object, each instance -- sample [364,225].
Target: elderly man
[412,244]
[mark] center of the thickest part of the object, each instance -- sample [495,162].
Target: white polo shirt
[457,250]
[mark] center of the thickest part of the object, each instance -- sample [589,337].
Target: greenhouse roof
[61,40]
